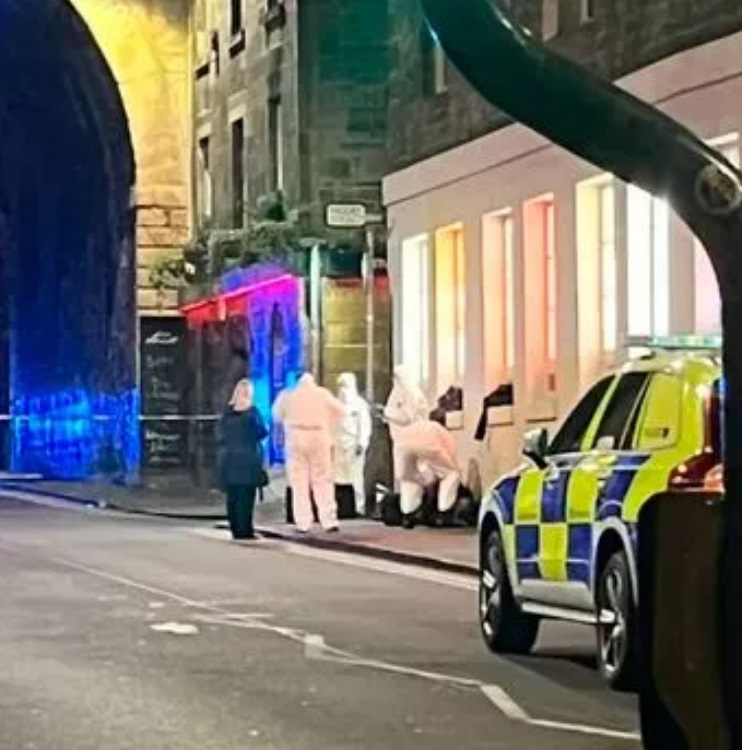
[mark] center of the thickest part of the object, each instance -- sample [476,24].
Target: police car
[558,536]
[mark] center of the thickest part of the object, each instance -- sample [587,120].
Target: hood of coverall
[348,388]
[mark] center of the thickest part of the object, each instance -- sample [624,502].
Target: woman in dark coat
[241,459]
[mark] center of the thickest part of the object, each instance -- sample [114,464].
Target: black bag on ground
[390,509]
[345,497]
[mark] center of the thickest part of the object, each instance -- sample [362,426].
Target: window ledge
[455,421]
[543,409]
[203,69]
[500,416]
[237,43]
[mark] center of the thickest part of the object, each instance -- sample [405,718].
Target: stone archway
[93,172]
[147,46]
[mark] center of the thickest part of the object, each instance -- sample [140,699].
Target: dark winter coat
[241,460]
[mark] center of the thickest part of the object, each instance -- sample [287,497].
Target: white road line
[316,645]
[504,703]
[584,729]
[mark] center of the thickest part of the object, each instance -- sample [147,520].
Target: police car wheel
[617,624]
[505,628]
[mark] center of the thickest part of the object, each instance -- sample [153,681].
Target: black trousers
[240,507]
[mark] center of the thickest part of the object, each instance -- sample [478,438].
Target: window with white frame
[450,307]
[415,307]
[608,267]
[540,263]
[707,297]
[648,264]
[498,295]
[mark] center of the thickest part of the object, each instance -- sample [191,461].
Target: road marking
[585,729]
[175,628]
[404,570]
[505,703]
[381,566]
[316,648]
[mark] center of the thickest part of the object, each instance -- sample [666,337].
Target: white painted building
[512,261]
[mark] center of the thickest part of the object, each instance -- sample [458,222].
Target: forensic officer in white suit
[352,439]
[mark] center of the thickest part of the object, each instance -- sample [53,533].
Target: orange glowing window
[450,306]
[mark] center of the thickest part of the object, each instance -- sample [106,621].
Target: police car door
[611,466]
[541,528]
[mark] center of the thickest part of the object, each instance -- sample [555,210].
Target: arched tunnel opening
[68,391]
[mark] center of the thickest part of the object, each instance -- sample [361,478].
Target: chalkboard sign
[164,393]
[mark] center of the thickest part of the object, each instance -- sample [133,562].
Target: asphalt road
[120,632]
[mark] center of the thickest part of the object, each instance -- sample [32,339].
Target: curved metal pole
[605,125]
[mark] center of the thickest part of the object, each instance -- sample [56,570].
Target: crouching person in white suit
[352,439]
[424,451]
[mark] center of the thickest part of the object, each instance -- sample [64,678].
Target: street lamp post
[608,127]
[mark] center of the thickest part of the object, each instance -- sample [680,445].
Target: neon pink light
[225,299]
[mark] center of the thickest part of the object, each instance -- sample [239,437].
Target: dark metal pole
[603,124]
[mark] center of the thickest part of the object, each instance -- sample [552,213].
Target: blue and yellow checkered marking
[558,545]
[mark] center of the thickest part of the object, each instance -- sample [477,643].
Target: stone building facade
[289,96]
[432,109]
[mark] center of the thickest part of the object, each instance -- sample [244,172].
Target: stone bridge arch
[146,45]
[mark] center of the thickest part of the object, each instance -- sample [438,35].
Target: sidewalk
[165,499]
[451,550]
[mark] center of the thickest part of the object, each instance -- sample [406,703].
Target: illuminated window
[540,261]
[450,306]
[608,267]
[415,307]
[649,264]
[707,298]
[498,289]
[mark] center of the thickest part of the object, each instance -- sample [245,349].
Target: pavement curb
[338,544]
[105,505]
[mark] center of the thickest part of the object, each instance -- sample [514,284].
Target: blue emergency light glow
[73,435]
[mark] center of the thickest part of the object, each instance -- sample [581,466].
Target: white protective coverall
[352,439]
[423,450]
[310,415]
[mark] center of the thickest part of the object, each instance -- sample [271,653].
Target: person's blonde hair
[247,386]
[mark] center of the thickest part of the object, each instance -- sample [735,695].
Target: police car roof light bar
[682,343]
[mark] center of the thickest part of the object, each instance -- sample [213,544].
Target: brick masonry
[623,36]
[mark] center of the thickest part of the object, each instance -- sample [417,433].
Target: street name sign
[345,215]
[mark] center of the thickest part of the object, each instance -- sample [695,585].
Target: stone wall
[328,64]
[147,46]
[624,35]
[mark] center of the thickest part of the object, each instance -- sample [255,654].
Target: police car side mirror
[535,446]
